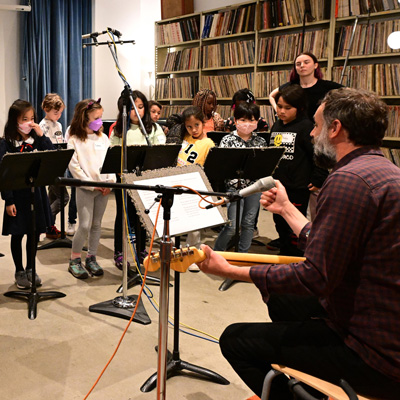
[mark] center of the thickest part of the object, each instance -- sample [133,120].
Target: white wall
[9,60]
[135,20]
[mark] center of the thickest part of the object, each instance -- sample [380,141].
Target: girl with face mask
[86,137]
[23,134]
[246,116]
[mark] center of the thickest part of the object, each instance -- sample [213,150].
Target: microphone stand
[124,305]
[167,201]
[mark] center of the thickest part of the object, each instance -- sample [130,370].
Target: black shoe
[274,244]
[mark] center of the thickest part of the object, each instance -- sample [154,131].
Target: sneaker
[119,259]
[273,244]
[92,266]
[76,269]
[71,229]
[38,281]
[53,233]
[194,268]
[21,280]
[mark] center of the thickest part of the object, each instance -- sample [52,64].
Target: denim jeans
[249,207]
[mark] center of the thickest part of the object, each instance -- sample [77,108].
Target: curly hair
[52,101]
[200,99]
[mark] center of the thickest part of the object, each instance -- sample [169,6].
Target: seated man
[337,314]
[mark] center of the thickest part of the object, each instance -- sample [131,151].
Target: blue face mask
[96,125]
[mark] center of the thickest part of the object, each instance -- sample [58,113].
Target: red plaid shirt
[352,258]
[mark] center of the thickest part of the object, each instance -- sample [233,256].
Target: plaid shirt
[352,258]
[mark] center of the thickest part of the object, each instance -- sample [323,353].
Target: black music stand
[63,241]
[239,163]
[175,365]
[139,158]
[30,170]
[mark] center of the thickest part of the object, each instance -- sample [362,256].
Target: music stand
[239,163]
[63,241]
[216,136]
[30,170]
[139,158]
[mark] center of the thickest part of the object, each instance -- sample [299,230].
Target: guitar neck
[246,259]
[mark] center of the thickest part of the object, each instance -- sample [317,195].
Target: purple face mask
[96,125]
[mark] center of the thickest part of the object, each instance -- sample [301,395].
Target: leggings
[16,251]
[91,206]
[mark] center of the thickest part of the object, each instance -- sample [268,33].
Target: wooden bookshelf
[264,37]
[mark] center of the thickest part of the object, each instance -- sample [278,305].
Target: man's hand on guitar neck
[215,264]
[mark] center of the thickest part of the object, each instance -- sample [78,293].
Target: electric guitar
[181,259]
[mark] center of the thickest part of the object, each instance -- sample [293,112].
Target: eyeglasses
[91,103]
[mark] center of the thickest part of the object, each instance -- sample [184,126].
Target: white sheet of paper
[186,216]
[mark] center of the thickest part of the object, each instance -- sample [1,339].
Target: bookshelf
[253,44]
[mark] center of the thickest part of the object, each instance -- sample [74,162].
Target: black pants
[133,220]
[302,343]
[288,240]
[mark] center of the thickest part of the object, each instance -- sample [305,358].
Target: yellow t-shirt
[194,151]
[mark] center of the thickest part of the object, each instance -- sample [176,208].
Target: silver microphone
[259,186]
[93,35]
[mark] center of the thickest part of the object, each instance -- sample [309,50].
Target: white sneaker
[194,268]
[71,229]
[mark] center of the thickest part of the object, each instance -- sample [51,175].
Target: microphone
[259,186]
[93,35]
[115,32]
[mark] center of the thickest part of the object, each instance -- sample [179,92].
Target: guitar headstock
[180,261]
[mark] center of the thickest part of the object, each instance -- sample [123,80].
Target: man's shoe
[21,280]
[92,266]
[38,281]
[53,233]
[71,229]
[76,269]
[256,233]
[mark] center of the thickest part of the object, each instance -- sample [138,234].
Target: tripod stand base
[136,279]
[226,284]
[33,298]
[176,367]
[57,243]
[122,308]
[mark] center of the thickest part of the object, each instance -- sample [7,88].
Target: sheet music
[186,216]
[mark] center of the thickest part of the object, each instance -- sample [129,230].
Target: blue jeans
[249,207]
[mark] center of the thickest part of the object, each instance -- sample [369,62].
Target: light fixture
[393,40]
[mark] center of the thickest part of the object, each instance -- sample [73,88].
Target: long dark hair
[192,111]
[295,96]
[147,121]
[294,76]
[18,108]
[80,120]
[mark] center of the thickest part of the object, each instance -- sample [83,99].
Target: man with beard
[337,314]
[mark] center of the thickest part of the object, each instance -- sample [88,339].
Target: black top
[20,224]
[315,94]
[296,169]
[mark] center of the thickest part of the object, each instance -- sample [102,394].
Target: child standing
[53,106]
[206,100]
[296,169]
[134,137]
[155,113]
[90,145]
[246,116]
[22,134]
[194,150]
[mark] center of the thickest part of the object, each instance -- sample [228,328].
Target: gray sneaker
[76,269]
[21,280]
[38,281]
[92,266]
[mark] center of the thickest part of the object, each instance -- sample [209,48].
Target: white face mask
[25,128]
[246,127]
